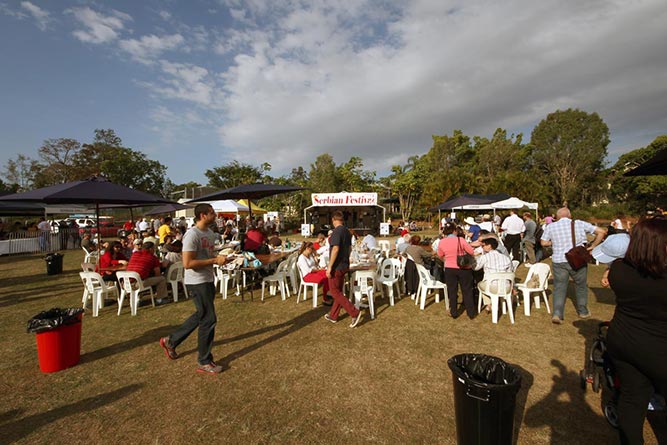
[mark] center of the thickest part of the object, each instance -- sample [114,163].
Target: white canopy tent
[228,206]
[505,204]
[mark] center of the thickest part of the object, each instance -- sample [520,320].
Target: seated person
[147,265]
[174,252]
[403,242]
[254,239]
[275,240]
[311,273]
[113,258]
[418,253]
[473,229]
[369,241]
[227,234]
[150,237]
[491,261]
[87,242]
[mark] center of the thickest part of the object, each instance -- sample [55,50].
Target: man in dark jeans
[339,264]
[198,260]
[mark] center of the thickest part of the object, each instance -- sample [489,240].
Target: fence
[35,242]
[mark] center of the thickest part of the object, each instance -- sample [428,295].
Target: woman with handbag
[457,255]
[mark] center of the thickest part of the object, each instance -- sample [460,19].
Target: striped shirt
[560,235]
[493,261]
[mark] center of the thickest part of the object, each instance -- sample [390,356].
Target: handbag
[463,259]
[578,256]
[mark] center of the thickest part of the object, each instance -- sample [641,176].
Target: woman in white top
[310,272]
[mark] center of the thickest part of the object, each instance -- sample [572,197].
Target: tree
[323,177]
[640,193]
[20,173]
[353,178]
[58,161]
[235,174]
[569,147]
[107,156]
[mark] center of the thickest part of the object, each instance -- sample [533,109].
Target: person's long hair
[647,251]
[304,246]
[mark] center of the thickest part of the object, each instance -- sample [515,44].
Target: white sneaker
[356,321]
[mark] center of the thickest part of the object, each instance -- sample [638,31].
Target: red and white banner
[344,199]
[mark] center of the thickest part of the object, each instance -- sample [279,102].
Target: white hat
[470,220]
[613,248]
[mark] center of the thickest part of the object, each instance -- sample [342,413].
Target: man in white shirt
[369,241]
[44,228]
[513,227]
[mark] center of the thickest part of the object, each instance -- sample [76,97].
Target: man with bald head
[558,235]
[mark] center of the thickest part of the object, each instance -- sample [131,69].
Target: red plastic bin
[59,348]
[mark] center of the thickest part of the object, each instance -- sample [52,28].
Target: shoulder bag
[463,259]
[578,256]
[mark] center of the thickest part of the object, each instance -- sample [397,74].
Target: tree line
[562,164]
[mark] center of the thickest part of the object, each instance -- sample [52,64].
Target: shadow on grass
[148,337]
[288,327]
[35,294]
[564,409]
[521,400]
[17,429]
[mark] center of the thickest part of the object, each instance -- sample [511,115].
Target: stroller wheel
[582,380]
[596,382]
[610,414]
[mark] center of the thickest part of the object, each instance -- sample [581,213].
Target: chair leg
[546,302]
[526,303]
[422,299]
[494,309]
[371,302]
[96,303]
[120,301]
[263,285]
[315,289]
[174,290]
[134,302]
[508,301]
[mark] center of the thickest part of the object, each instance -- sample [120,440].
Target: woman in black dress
[637,335]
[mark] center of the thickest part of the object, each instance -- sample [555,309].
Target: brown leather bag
[578,256]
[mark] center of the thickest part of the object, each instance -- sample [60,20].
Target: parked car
[107,226]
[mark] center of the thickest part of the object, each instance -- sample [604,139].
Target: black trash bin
[54,263]
[485,389]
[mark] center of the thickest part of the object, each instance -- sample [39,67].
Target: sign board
[305,230]
[344,199]
[384,229]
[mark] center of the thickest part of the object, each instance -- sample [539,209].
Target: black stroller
[599,372]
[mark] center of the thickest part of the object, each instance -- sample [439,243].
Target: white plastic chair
[388,276]
[426,283]
[364,281]
[279,278]
[542,271]
[304,286]
[503,282]
[132,285]
[385,246]
[97,288]
[224,276]
[292,274]
[515,264]
[90,256]
[174,276]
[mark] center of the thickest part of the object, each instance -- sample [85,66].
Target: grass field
[290,376]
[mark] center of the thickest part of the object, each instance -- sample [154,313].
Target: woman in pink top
[448,249]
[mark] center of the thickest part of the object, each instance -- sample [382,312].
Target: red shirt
[144,263]
[253,240]
[107,261]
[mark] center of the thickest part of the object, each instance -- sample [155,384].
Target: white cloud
[147,48]
[41,16]
[6,10]
[378,79]
[98,28]
[186,82]
[165,15]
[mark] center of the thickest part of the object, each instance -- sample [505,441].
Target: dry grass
[290,376]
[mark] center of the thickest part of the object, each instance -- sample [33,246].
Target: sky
[197,84]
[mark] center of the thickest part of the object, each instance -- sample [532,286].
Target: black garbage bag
[485,389]
[53,318]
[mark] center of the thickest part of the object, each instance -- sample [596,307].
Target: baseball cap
[613,248]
